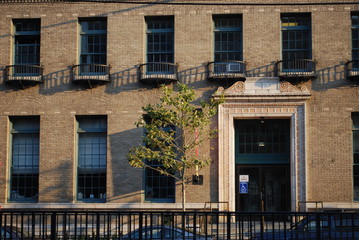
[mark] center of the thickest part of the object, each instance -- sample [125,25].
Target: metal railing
[352,68]
[158,71]
[226,69]
[178,225]
[88,72]
[296,67]
[31,73]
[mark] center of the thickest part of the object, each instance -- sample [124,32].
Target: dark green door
[263,153]
[268,188]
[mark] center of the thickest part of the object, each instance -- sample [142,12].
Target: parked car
[164,232]
[14,233]
[331,226]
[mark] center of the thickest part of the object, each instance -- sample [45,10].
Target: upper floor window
[93,41]
[24,170]
[160,39]
[26,46]
[355,39]
[228,38]
[296,36]
[92,158]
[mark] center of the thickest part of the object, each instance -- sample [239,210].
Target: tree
[174,129]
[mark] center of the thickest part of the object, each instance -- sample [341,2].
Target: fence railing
[177,225]
[226,69]
[296,67]
[91,72]
[31,73]
[158,71]
[352,68]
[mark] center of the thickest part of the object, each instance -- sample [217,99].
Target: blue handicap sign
[243,187]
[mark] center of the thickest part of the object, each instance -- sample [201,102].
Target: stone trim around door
[253,99]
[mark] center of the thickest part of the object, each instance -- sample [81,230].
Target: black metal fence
[17,224]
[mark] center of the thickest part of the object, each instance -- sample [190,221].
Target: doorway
[268,188]
[262,165]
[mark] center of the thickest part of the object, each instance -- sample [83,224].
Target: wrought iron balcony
[296,68]
[91,73]
[235,70]
[352,69]
[24,74]
[158,73]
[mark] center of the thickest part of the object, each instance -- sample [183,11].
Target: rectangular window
[24,169]
[92,158]
[158,187]
[93,41]
[355,40]
[27,44]
[355,118]
[296,39]
[228,38]
[160,40]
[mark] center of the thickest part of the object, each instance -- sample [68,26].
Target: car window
[312,225]
[170,233]
[5,234]
[346,222]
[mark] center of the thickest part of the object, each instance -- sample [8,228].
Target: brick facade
[328,171]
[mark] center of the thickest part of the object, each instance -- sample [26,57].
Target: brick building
[76,74]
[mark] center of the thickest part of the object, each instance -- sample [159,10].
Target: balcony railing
[352,69]
[297,68]
[158,72]
[24,74]
[92,73]
[235,70]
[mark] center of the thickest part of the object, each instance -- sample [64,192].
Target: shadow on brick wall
[262,71]
[60,189]
[332,77]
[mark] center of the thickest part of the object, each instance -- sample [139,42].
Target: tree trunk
[183,197]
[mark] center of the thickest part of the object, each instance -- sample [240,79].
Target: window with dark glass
[262,140]
[296,39]
[159,187]
[355,40]
[27,44]
[160,42]
[92,158]
[93,42]
[24,179]
[228,38]
[355,118]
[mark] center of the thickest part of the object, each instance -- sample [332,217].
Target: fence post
[318,226]
[53,226]
[228,225]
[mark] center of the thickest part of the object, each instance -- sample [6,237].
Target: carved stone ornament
[236,88]
[287,87]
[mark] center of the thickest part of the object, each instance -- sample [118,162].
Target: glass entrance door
[268,188]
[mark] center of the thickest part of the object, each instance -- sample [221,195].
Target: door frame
[246,100]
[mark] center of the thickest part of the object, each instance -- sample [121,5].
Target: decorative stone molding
[255,98]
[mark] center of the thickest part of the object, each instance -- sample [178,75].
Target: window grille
[27,45]
[355,119]
[24,159]
[228,38]
[93,37]
[160,41]
[355,40]
[92,159]
[159,187]
[296,40]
